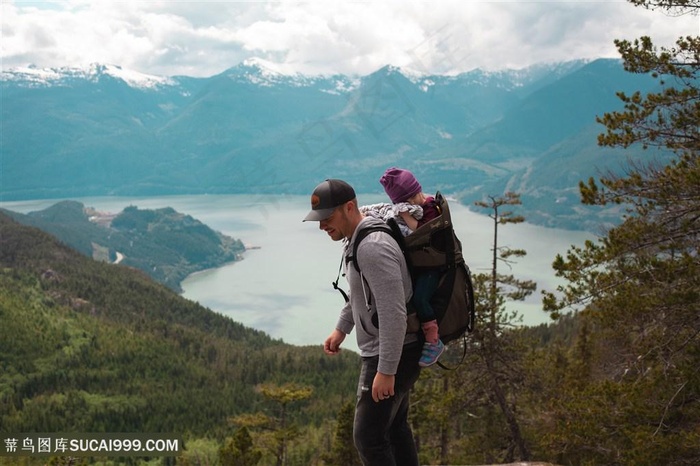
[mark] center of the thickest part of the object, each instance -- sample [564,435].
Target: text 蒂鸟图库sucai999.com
[88,444]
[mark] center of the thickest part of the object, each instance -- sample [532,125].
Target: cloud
[203,38]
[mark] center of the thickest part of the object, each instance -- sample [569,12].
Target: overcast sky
[204,38]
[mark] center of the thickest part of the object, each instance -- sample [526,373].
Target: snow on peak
[267,68]
[37,77]
[135,78]
[264,73]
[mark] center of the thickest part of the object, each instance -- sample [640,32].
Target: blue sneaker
[431,353]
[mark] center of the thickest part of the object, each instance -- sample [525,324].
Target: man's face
[335,224]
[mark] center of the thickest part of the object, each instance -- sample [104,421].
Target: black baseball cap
[327,196]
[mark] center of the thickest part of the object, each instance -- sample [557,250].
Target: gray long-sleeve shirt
[387,287]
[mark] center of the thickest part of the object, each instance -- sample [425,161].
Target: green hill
[87,346]
[165,244]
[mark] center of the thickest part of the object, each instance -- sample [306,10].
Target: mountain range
[105,130]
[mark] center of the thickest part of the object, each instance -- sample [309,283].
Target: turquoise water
[283,286]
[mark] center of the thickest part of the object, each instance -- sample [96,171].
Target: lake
[283,286]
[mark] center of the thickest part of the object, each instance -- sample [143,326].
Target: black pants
[382,434]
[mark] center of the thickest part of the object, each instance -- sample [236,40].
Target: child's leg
[423,291]
[430,330]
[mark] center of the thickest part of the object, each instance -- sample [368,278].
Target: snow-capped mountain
[260,73]
[106,130]
[46,77]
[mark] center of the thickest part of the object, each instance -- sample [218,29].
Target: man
[377,311]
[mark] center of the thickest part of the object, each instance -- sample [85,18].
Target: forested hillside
[87,346]
[165,244]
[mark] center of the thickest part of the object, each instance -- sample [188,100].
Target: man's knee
[366,440]
[371,442]
[372,449]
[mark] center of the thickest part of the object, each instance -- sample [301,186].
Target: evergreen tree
[638,285]
[497,350]
[276,431]
[239,450]
[473,413]
[343,451]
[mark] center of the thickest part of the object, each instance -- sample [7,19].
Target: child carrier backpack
[434,245]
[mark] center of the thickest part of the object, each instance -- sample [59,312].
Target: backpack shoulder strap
[392,229]
[358,239]
[362,234]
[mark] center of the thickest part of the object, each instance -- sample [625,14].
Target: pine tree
[276,430]
[239,450]
[639,286]
[499,351]
[343,451]
[473,413]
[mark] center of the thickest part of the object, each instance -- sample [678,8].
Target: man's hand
[382,387]
[332,344]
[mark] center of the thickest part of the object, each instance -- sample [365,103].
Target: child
[402,187]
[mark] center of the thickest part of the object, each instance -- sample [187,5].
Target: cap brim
[318,215]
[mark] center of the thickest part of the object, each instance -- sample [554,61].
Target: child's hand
[410,221]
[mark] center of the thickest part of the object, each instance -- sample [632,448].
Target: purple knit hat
[400,185]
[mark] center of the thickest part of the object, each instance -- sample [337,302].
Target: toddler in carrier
[402,187]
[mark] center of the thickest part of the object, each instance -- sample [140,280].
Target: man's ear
[348,206]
